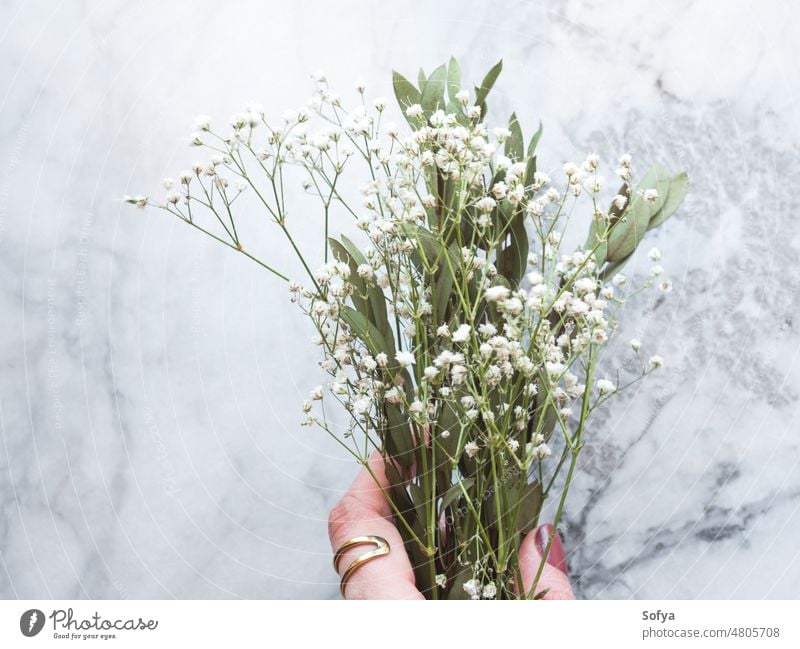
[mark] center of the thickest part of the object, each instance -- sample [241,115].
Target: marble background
[151,381]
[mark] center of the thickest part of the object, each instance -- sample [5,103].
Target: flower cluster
[460,332]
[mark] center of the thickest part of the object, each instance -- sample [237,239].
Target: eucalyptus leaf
[482,91]
[406,94]
[453,81]
[455,492]
[433,91]
[512,260]
[629,230]
[514,147]
[678,188]
[535,140]
[530,504]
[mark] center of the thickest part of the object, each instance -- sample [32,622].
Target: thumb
[554,577]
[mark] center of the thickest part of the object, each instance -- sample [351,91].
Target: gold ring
[381,548]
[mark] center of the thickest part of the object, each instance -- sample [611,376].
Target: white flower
[656,270]
[656,362]
[499,189]
[415,110]
[443,331]
[636,344]
[650,195]
[416,407]
[316,393]
[486,204]
[362,405]
[319,76]
[513,445]
[496,293]
[379,103]
[489,591]
[382,360]
[461,334]
[502,134]
[430,373]
[472,588]
[471,449]
[654,254]
[474,112]
[393,396]
[604,386]
[541,451]
[462,96]
[619,201]
[202,122]
[665,286]
[487,329]
[441,580]
[625,160]
[570,169]
[404,358]
[365,271]
[618,279]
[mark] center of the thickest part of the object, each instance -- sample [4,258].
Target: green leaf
[444,288]
[397,438]
[514,148]
[366,332]
[482,91]
[359,296]
[377,312]
[405,92]
[630,229]
[678,188]
[535,139]
[367,298]
[453,80]
[530,170]
[512,260]
[421,78]
[529,507]
[433,91]
[454,493]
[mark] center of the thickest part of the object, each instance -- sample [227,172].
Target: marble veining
[151,381]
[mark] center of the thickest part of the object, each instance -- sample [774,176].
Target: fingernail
[557,557]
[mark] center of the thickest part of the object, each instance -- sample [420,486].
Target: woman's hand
[364,511]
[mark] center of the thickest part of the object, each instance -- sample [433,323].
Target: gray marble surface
[151,381]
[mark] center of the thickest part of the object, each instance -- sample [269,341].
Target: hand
[364,510]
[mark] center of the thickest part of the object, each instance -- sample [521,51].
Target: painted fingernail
[557,557]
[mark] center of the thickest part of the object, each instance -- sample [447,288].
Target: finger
[554,577]
[364,511]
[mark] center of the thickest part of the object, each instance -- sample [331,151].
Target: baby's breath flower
[656,362]
[404,358]
[496,293]
[605,386]
[462,334]
[650,195]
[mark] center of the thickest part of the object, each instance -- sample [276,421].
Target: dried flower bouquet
[460,329]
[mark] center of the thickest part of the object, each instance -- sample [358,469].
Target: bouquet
[462,323]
